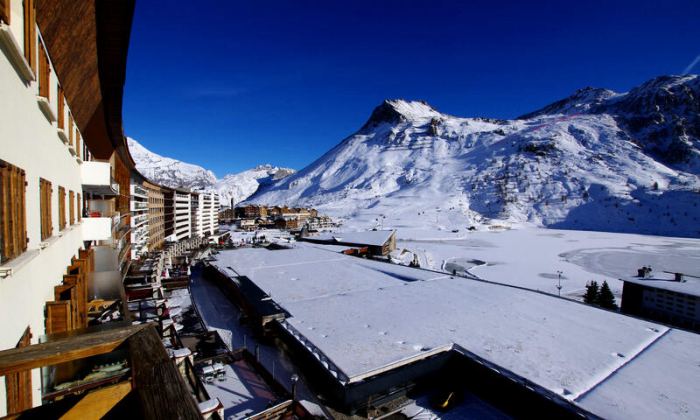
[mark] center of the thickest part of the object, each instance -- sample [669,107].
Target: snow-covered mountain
[173,173]
[169,172]
[597,160]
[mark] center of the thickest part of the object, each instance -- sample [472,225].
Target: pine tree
[605,297]
[591,296]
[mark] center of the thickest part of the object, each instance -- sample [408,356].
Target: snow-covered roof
[370,237]
[365,317]
[690,285]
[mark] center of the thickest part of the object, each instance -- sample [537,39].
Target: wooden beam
[162,390]
[98,403]
[64,350]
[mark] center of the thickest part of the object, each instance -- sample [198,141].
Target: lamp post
[559,286]
[294,378]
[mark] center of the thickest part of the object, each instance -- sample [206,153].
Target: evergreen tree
[591,296]
[605,297]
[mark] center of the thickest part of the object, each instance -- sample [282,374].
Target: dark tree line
[600,296]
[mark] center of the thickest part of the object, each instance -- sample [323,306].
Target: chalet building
[671,298]
[226,215]
[251,211]
[287,224]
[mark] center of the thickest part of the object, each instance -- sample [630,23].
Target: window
[80,207]
[71,207]
[13,224]
[60,108]
[18,386]
[44,72]
[61,208]
[5,11]
[45,204]
[30,33]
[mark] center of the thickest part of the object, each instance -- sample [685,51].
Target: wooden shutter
[70,129]
[61,208]
[5,11]
[61,110]
[80,207]
[71,207]
[44,72]
[58,316]
[18,386]
[45,203]
[13,223]
[30,33]
[77,143]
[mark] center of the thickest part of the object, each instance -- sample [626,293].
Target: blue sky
[230,85]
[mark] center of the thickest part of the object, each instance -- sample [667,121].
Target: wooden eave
[88,41]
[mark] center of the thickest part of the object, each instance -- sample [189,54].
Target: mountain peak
[395,111]
[580,101]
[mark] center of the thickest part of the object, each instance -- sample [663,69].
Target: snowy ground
[359,317]
[531,258]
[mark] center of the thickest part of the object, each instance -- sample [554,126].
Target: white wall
[28,140]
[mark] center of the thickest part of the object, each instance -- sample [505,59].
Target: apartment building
[64,169]
[139,217]
[208,214]
[156,216]
[182,208]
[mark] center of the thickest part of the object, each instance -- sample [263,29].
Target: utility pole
[559,286]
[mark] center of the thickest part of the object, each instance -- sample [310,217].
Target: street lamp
[294,378]
[559,286]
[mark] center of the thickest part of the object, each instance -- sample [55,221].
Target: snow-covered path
[220,315]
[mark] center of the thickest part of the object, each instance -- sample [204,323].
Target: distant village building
[247,224]
[288,224]
[323,222]
[378,242]
[673,298]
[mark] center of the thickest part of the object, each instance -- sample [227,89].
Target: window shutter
[5,11]
[30,33]
[18,386]
[44,72]
[71,207]
[60,108]
[70,129]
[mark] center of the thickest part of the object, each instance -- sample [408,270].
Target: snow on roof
[691,285]
[660,383]
[370,237]
[366,317]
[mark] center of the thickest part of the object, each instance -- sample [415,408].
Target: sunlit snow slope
[597,160]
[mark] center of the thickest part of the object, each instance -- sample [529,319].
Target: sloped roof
[370,237]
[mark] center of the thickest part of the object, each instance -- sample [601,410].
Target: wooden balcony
[151,387]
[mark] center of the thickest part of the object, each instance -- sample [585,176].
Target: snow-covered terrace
[366,317]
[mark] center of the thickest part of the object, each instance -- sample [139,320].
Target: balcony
[97,178]
[138,205]
[138,191]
